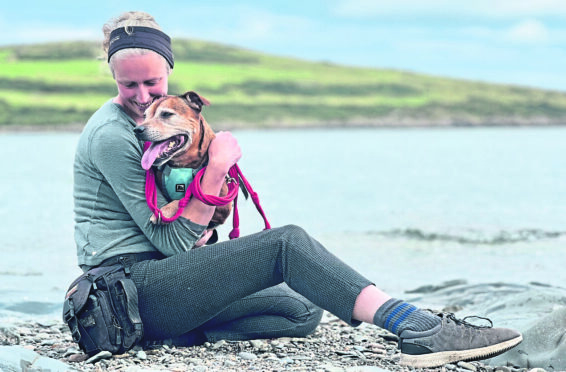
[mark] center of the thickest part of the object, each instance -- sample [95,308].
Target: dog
[179,137]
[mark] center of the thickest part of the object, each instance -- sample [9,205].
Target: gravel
[333,347]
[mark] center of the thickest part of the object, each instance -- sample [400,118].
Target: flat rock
[100,356]
[247,356]
[366,369]
[467,366]
[17,358]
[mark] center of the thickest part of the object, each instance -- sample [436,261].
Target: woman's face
[140,79]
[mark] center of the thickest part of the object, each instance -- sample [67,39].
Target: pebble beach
[333,347]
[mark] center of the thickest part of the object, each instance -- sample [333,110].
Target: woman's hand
[224,151]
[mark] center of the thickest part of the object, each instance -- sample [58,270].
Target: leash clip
[230,179]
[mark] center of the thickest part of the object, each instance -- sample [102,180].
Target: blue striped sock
[397,315]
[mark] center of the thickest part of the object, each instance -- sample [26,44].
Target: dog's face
[179,134]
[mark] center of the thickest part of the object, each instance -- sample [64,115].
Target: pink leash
[194,189]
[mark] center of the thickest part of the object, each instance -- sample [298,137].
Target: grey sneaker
[454,340]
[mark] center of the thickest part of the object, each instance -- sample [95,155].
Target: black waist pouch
[101,310]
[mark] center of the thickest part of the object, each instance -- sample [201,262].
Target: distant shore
[375,123]
[248,89]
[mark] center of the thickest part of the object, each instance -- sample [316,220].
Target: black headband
[141,37]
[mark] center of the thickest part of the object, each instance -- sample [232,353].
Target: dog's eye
[166,114]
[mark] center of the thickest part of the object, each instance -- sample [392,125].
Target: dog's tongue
[153,153]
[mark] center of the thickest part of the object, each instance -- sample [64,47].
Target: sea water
[405,207]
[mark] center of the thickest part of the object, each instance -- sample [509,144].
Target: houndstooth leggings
[258,286]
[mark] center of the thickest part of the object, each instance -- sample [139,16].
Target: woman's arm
[116,153]
[223,152]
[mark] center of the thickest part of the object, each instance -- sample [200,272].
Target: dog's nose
[139,129]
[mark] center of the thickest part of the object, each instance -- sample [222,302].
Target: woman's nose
[143,95]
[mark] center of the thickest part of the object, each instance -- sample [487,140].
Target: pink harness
[235,175]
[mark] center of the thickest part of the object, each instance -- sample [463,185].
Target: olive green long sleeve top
[111,213]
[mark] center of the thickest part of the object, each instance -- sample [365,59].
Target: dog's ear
[194,100]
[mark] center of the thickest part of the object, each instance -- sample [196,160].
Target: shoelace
[463,321]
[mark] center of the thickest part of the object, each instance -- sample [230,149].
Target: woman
[258,286]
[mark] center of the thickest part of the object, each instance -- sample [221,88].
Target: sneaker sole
[445,357]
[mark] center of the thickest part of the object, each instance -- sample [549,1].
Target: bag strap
[133,309]
[70,318]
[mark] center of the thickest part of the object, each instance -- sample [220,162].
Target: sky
[519,42]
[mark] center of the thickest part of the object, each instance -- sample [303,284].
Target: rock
[77,358]
[467,366]
[138,369]
[278,345]
[48,323]
[537,370]
[345,352]
[16,358]
[195,361]
[71,351]
[218,345]
[141,355]
[247,356]
[179,367]
[502,369]
[9,336]
[258,344]
[331,368]
[366,369]
[100,356]
[286,360]
[301,357]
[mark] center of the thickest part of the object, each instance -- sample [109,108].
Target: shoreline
[376,124]
[333,347]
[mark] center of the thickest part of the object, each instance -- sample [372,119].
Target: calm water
[405,207]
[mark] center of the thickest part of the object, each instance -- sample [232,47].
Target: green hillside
[63,83]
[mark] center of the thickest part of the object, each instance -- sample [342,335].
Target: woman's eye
[166,114]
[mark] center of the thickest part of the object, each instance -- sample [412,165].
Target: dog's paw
[168,211]
[204,238]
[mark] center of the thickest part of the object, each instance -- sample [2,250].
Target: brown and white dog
[179,136]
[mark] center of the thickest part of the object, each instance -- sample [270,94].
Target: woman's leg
[181,293]
[368,301]
[270,313]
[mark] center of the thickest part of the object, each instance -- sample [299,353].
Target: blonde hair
[127,20]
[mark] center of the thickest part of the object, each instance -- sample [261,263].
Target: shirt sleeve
[116,153]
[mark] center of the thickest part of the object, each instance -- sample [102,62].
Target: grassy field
[63,83]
